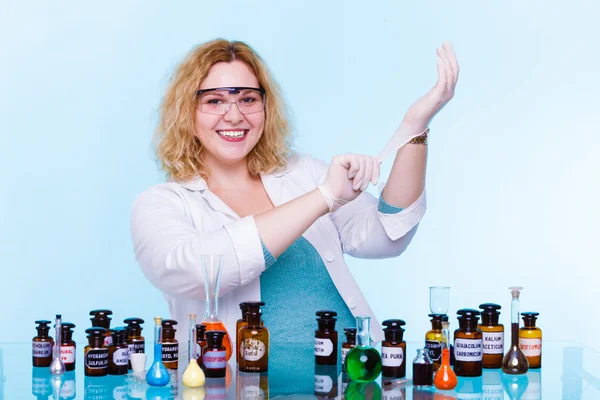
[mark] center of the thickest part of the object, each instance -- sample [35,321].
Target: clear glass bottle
[68,347]
[422,369]
[326,339]
[468,344]
[349,344]
[530,340]
[170,345]
[157,375]
[41,346]
[118,352]
[254,345]
[514,361]
[493,335]
[433,340]
[211,266]
[445,378]
[95,354]
[393,349]
[363,362]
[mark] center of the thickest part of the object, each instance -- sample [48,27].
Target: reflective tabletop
[570,371]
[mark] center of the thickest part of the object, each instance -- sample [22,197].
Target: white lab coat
[172,224]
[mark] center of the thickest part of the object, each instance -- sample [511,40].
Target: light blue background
[512,178]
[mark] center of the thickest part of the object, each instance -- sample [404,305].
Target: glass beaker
[439,299]
[211,265]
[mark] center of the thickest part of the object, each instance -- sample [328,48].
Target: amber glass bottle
[135,334]
[254,345]
[393,349]
[433,340]
[170,345]
[245,307]
[530,340]
[468,344]
[95,354]
[118,352]
[326,339]
[67,346]
[200,341]
[493,335]
[349,344]
[100,318]
[214,355]
[41,346]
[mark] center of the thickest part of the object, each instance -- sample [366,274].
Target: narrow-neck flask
[433,340]
[157,374]
[514,361]
[363,362]
[445,378]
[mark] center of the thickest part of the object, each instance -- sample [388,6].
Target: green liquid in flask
[363,363]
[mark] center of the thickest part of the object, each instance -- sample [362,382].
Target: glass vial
[393,349]
[468,344]
[101,319]
[530,340]
[68,346]
[433,340]
[200,342]
[349,344]
[326,339]
[493,335]
[254,345]
[363,362]
[95,354]
[41,346]
[422,369]
[214,356]
[118,352]
[170,345]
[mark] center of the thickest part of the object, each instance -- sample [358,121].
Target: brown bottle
[95,354]
[200,341]
[118,352]
[134,339]
[170,345]
[68,346]
[349,344]
[101,319]
[530,340]
[493,335]
[326,339]
[468,344]
[214,355]
[433,340]
[254,345]
[41,346]
[244,307]
[393,349]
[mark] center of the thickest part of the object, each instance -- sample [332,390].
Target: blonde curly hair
[177,147]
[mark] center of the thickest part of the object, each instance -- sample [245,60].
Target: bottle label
[130,348]
[67,390]
[469,350]
[531,347]
[323,347]
[323,383]
[96,359]
[493,342]
[41,349]
[253,349]
[107,341]
[392,356]
[252,393]
[344,354]
[434,347]
[121,356]
[139,346]
[170,352]
[67,353]
[493,392]
[215,359]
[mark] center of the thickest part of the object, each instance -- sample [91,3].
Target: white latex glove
[348,175]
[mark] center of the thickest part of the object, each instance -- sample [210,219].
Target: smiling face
[228,138]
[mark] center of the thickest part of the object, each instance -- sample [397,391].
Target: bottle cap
[515,291]
[468,313]
[96,331]
[324,314]
[43,327]
[529,318]
[393,330]
[118,335]
[101,318]
[215,338]
[350,335]
[200,329]
[134,325]
[490,313]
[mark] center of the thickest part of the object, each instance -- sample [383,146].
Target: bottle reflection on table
[68,388]
[40,383]
[534,388]
[326,381]
[363,391]
[492,384]
[97,388]
[216,388]
[515,385]
[252,385]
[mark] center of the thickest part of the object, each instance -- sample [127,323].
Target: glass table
[570,371]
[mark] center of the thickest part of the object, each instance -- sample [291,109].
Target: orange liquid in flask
[219,326]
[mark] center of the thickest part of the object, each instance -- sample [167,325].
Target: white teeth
[232,134]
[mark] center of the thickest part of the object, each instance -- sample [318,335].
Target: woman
[283,221]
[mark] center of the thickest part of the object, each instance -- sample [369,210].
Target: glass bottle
[67,346]
[211,266]
[514,361]
[214,356]
[135,334]
[41,346]
[530,340]
[433,340]
[170,345]
[326,338]
[100,318]
[254,347]
[393,349]
[200,342]
[422,369]
[95,354]
[468,344]
[157,374]
[363,362]
[245,307]
[445,378]
[118,352]
[493,335]
[193,376]
[349,344]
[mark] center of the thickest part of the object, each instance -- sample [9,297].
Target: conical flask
[211,265]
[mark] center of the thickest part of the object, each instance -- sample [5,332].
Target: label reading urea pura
[531,347]
[323,347]
[139,346]
[253,349]
[170,352]
[392,356]
[121,356]
[67,353]
[215,359]
[96,359]
[435,349]
[41,349]
[493,342]
[468,350]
